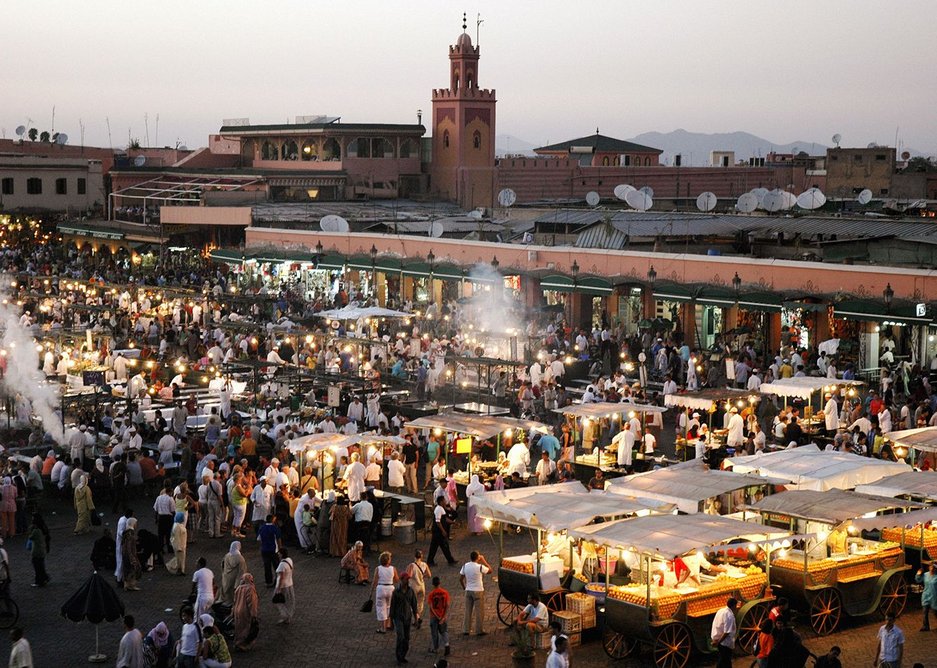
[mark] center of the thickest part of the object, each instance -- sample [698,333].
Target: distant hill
[695,147]
[509,144]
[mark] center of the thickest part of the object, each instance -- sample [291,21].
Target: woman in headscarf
[8,507]
[246,610]
[338,536]
[354,562]
[325,523]
[158,646]
[233,567]
[100,480]
[131,561]
[178,538]
[84,505]
[474,488]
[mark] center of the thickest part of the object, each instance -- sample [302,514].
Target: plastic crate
[575,639]
[581,603]
[570,622]
[588,621]
[542,640]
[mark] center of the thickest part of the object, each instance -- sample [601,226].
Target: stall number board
[463,446]
[777,520]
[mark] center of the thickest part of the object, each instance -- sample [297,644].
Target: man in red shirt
[438,600]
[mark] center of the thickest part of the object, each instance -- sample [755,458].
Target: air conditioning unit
[531,256]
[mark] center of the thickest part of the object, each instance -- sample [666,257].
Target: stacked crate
[570,625]
[584,605]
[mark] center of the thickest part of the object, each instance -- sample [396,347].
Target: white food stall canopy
[685,487]
[919,484]
[556,507]
[922,438]
[479,426]
[807,467]
[704,399]
[833,506]
[316,442]
[897,520]
[358,312]
[803,387]
[606,409]
[667,536]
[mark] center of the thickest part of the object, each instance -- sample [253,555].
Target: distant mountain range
[694,147]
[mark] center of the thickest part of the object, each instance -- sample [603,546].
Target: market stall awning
[316,442]
[479,426]
[228,255]
[556,507]
[767,302]
[832,506]
[920,438]
[605,409]
[587,285]
[358,312]
[667,536]
[810,307]
[704,399]
[803,387]
[685,487]
[714,295]
[907,520]
[449,272]
[916,484]
[807,467]
[675,292]
[870,310]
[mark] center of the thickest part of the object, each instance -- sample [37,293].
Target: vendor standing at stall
[624,442]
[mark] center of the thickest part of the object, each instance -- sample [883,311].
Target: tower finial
[464,21]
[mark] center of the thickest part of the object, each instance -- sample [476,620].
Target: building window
[880,157]
[834,157]
[61,186]
[409,149]
[627,161]
[269,151]
[469,79]
[359,148]
[857,158]
[617,161]
[605,161]
[381,148]
[34,186]
[884,191]
[445,139]
[477,139]
[8,186]
[82,186]
[310,150]
[331,150]
[290,150]
[647,162]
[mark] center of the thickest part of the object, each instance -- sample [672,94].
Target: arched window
[455,81]
[269,151]
[469,78]
[477,139]
[310,150]
[617,160]
[445,139]
[627,160]
[331,150]
[605,161]
[409,149]
[381,148]
[647,162]
[290,151]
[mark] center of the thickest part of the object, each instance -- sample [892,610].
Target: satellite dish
[706,201]
[61,139]
[621,190]
[436,229]
[648,190]
[747,203]
[773,201]
[474,214]
[837,138]
[507,197]
[592,198]
[333,223]
[906,155]
[183,148]
[639,200]
[139,161]
[789,200]
[20,130]
[812,198]
[872,145]
[760,194]
[864,197]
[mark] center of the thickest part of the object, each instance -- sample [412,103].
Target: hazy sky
[783,70]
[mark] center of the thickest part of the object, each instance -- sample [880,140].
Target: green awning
[868,310]
[362,262]
[416,269]
[586,285]
[805,306]
[229,255]
[448,272]
[674,292]
[713,295]
[768,302]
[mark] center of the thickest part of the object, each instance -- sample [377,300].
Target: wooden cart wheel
[507,611]
[617,645]
[555,602]
[750,625]
[894,595]
[672,646]
[826,608]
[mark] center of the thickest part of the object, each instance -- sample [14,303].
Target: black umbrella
[96,601]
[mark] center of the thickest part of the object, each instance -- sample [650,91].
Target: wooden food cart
[708,402]
[693,488]
[916,533]
[550,511]
[673,619]
[838,571]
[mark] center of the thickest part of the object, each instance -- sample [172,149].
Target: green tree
[44,136]
[33,134]
[921,164]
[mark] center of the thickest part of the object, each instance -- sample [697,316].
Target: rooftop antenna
[110,142]
[478,23]
[156,140]
[53,121]
[146,127]
[464,21]
[81,128]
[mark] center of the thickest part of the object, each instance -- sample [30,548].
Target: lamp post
[494,263]
[373,271]
[888,294]
[431,261]
[652,275]
[736,285]
[574,270]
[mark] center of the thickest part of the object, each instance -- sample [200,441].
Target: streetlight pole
[431,261]
[373,272]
